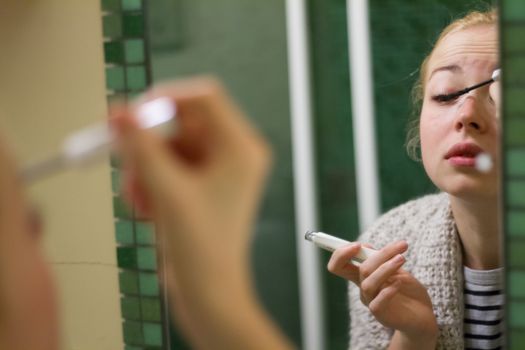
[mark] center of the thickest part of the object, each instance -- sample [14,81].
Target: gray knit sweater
[433,257]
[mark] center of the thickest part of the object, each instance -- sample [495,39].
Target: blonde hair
[472,19]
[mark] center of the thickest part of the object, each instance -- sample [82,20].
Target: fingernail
[398,259]
[403,243]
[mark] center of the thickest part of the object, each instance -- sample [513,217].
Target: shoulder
[408,219]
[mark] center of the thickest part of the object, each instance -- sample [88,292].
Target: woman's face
[454,132]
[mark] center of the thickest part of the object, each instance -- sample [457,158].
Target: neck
[478,224]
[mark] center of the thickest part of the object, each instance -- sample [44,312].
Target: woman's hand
[495,95]
[202,189]
[395,298]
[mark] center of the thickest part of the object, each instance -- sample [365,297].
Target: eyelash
[444,98]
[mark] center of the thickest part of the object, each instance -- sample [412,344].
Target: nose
[471,115]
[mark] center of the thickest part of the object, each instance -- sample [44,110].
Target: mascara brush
[454,95]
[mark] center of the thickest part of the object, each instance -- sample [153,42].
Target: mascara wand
[450,97]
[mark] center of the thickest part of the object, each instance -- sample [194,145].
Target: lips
[463,154]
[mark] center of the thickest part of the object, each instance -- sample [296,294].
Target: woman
[449,241]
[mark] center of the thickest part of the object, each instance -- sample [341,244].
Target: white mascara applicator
[93,142]
[484,162]
[331,243]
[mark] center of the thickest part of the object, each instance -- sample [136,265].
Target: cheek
[426,136]
[431,137]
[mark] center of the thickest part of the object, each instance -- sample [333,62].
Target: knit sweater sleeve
[399,223]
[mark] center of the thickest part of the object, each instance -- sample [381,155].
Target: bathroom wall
[52,82]
[513,144]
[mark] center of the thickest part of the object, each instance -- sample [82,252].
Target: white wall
[52,82]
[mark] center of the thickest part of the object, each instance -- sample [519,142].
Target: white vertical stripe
[363,112]
[310,292]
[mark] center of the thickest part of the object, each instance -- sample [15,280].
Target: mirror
[187,38]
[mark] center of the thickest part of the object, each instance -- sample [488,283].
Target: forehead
[478,44]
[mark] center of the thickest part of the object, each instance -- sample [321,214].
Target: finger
[384,297]
[205,97]
[211,129]
[495,95]
[340,264]
[381,256]
[158,172]
[371,286]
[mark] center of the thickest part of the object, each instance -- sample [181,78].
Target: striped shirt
[484,298]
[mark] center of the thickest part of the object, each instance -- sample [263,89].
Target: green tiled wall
[126,76]
[513,63]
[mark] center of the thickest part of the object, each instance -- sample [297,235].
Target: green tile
[516,310]
[516,254]
[134,49]
[515,161]
[121,209]
[130,307]
[124,232]
[114,52]
[513,39]
[151,311]
[517,339]
[145,233]
[110,5]
[127,257]
[133,333]
[515,193]
[129,282]
[514,102]
[149,284]
[115,160]
[136,78]
[516,280]
[147,258]
[514,10]
[513,66]
[115,79]
[152,334]
[116,187]
[112,26]
[132,25]
[515,129]
[516,223]
[128,5]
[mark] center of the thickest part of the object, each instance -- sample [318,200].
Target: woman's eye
[444,98]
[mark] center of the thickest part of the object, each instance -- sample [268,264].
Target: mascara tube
[331,243]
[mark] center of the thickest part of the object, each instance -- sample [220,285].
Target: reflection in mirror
[452,247]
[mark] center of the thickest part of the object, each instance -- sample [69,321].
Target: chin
[470,189]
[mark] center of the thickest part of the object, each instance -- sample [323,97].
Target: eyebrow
[454,68]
